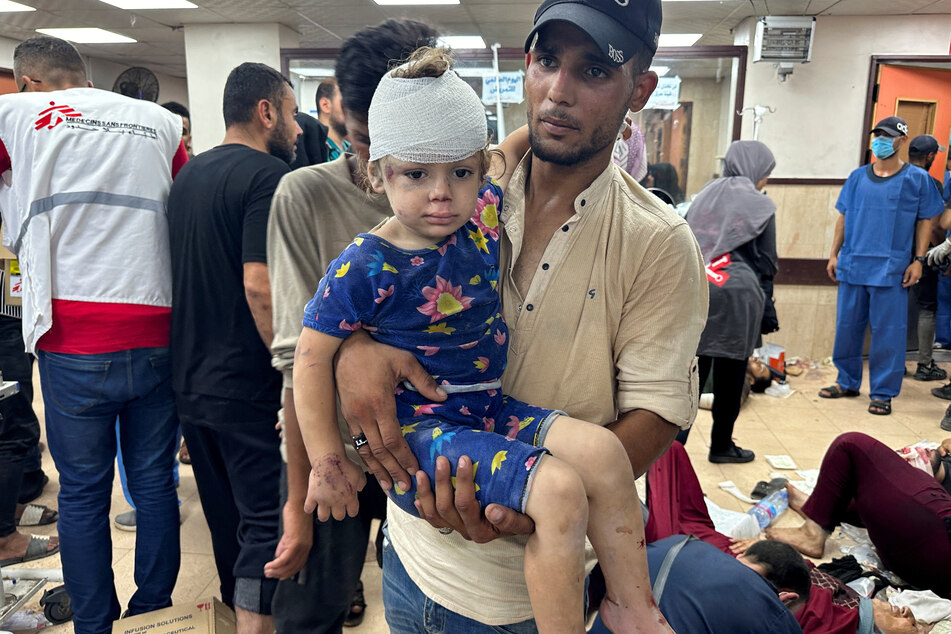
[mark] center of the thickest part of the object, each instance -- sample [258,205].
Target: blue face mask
[883,147]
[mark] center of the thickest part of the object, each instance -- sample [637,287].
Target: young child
[425,281]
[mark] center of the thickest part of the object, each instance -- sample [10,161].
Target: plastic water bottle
[770,507]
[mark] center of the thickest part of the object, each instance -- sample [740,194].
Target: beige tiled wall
[805,217]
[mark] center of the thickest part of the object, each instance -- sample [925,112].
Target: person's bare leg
[797,498]
[615,522]
[253,623]
[809,539]
[554,554]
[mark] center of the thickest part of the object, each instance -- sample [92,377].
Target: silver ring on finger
[445,530]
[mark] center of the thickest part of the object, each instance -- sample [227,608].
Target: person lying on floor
[676,503]
[907,511]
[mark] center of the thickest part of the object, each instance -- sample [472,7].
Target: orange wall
[896,82]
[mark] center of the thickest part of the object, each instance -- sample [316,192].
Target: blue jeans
[409,611]
[83,395]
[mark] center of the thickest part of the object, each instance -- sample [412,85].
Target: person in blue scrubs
[884,208]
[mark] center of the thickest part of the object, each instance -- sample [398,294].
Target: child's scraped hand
[332,490]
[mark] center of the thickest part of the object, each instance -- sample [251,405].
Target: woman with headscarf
[664,176]
[735,226]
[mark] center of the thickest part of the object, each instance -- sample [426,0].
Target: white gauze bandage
[426,120]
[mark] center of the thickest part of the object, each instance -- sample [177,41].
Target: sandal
[834,391]
[38,548]
[764,489]
[358,607]
[35,515]
[879,407]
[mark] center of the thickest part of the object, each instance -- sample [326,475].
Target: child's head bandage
[426,120]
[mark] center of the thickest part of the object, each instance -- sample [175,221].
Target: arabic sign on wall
[667,94]
[512,88]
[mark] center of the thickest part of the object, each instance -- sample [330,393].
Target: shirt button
[565,228]
[519,309]
[582,202]
[529,307]
[544,267]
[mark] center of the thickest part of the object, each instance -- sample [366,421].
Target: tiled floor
[801,425]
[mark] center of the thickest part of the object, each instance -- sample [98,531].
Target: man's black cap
[616,26]
[923,145]
[891,126]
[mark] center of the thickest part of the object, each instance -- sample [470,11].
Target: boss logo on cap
[615,54]
[902,127]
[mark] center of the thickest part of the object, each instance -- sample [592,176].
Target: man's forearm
[298,466]
[922,237]
[645,436]
[838,236]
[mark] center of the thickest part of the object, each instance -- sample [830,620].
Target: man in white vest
[86,174]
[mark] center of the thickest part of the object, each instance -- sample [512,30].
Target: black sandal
[879,407]
[834,391]
[358,607]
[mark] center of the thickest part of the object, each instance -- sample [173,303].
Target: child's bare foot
[809,539]
[797,497]
[622,619]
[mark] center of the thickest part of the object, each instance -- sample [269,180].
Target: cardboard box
[12,283]
[209,616]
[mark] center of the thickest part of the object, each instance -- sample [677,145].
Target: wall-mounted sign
[666,96]
[512,88]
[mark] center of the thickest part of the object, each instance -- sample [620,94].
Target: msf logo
[54,115]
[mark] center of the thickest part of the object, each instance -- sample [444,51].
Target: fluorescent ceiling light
[404,2]
[139,5]
[462,41]
[679,39]
[313,72]
[660,70]
[88,36]
[8,6]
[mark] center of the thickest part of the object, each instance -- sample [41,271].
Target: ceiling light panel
[88,36]
[679,39]
[8,6]
[392,3]
[462,41]
[660,70]
[140,5]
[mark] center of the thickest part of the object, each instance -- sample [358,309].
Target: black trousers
[237,469]
[728,378]
[317,599]
[19,429]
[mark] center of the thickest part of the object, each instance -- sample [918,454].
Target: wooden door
[920,116]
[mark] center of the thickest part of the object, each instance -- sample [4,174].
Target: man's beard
[601,137]
[339,127]
[277,143]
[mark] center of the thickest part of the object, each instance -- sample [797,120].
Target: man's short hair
[371,52]
[783,565]
[325,90]
[177,108]
[49,59]
[247,85]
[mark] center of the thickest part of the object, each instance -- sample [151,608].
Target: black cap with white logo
[616,26]
[891,126]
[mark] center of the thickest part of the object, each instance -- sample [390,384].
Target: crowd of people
[373,313]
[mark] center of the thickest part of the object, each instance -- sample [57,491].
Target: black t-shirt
[217,216]
[312,144]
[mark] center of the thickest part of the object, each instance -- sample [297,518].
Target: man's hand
[296,542]
[367,373]
[912,274]
[461,511]
[830,267]
[938,255]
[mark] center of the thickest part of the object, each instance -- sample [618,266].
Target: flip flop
[834,391]
[36,549]
[37,515]
[762,488]
[879,407]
